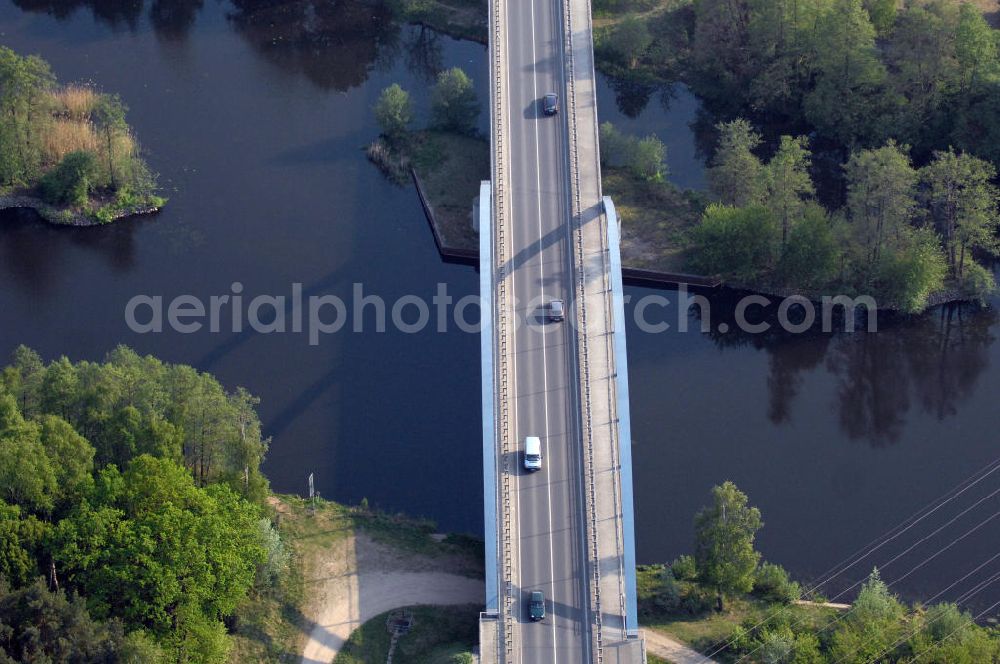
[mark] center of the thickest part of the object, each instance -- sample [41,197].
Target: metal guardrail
[584,356]
[499,177]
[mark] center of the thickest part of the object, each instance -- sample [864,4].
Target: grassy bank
[655,218]
[450,167]
[699,626]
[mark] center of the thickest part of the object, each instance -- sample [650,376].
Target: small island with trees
[852,145]
[447,160]
[67,151]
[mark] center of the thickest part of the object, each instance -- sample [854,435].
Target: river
[256,114]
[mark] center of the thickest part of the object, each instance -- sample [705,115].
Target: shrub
[666,595]
[644,157]
[70,181]
[978,282]
[908,276]
[772,583]
[684,569]
[737,243]
[810,258]
[697,601]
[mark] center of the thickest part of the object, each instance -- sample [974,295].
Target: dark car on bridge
[550,103]
[536,605]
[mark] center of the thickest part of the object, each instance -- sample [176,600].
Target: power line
[880,541]
[964,597]
[955,583]
[957,630]
[833,623]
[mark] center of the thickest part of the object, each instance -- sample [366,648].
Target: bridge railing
[619,440]
[502,315]
[587,428]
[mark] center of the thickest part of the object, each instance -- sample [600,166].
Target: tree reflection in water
[171,19]
[931,362]
[333,43]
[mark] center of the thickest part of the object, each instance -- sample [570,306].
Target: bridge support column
[624,417]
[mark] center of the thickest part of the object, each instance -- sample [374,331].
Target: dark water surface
[256,115]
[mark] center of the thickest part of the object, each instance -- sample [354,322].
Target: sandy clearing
[361,579]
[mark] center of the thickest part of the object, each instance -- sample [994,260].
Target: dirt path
[828,605]
[671,650]
[361,579]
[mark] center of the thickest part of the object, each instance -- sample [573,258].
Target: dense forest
[69,145]
[132,511]
[854,142]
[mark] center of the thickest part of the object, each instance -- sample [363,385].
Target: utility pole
[312,493]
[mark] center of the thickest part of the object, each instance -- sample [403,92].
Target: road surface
[549,503]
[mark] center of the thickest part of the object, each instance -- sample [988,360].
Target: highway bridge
[546,233]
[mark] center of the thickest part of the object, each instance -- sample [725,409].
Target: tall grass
[65,136]
[76,102]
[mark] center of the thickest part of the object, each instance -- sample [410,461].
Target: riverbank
[70,216]
[347,566]
[681,625]
[446,169]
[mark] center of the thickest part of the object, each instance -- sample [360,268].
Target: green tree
[881,188]
[719,50]
[630,39]
[882,14]
[27,370]
[453,101]
[43,626]
[921,55]
[908,274]
[846,103]
[72,180]
[789,183]
[811,255]
[20,538]
[780,35]
[737,177]
[975,48]
[948,635]
[724,535]
[394,112]
[648,157]
[71,455]
[872,627]
[24,84]
[27,474]
[962,200]
[157,551]
[737,244]
[109,114]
